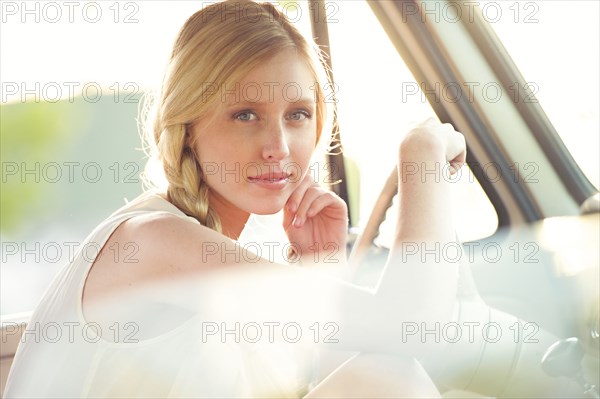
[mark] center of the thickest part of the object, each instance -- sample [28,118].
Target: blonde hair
[216,47]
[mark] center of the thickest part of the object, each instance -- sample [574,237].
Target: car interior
[529,218]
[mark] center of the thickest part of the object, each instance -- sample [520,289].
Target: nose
[275,146]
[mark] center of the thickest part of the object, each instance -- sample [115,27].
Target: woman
[237,121]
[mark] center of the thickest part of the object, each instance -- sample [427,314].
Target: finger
[459,160]
[288,217]
[296,197]
[327,199]
[309,197]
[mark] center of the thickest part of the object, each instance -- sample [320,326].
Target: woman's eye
[299,115]
[245,116]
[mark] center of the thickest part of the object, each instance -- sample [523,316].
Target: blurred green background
[65,167]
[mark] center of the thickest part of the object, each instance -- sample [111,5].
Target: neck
[232,218]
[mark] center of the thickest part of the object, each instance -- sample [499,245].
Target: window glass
[378,102]
[555,45]
[70,145]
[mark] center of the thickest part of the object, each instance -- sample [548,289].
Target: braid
[187,189]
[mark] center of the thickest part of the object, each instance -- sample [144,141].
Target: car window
[61,171]
[555,44]
[378,102]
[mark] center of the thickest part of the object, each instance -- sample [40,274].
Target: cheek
[302,156]
[224,165]
[216,150]
[306,143]
[307,150]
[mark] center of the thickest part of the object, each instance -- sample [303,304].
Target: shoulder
[167,237]
[157,234]
[146,248]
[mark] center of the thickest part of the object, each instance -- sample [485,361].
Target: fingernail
[298,222]
[310,213]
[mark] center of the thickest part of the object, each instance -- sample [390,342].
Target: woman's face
[256,146]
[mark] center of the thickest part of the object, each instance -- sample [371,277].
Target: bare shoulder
[148,248]
[170,261]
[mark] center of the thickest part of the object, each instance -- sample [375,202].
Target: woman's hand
[430,140]
[316,223]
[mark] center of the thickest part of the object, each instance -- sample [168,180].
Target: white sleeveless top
[62,355]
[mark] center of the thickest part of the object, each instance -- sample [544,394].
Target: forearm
[418,278]
[424,194]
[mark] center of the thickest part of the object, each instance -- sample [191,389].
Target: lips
[270,177]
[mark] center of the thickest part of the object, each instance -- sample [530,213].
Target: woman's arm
[425,225]
[201,262]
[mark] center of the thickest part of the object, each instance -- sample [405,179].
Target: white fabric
[61,354]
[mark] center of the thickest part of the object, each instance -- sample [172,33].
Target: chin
[266,210]
[267,207]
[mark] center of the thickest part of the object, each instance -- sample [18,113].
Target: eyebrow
[303,100]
